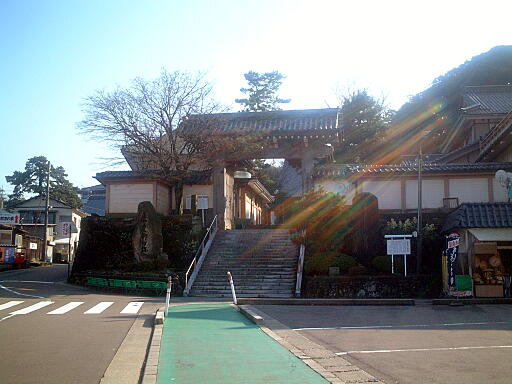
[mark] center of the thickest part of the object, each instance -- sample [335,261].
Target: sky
[54,54]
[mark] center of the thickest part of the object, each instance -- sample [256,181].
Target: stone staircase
[263,263]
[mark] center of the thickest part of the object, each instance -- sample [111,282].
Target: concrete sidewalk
[214,343]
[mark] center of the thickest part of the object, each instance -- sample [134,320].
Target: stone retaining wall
[371,286]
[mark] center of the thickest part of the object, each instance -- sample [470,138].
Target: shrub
[382,263]
[344,262]
[357,270]
[319,263]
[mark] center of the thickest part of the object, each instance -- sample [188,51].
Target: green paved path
[213,343]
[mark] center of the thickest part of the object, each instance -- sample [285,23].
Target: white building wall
[344,188]
[387,192]
[431,196]
[125,198]
[470,190]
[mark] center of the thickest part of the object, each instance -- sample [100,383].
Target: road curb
[128,363]
[490,300]
[150,371]
[326,363]
[270,301]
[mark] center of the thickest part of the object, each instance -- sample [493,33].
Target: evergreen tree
[262,92]
[363,119]
[33,181]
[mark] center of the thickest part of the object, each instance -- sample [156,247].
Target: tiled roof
[349,169]
[487,99]
[459,152]
[95,205]
[479,215]
[194,177]
[320,121]
[94,188]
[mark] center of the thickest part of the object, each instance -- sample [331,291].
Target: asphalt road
[47,338]
[416,344]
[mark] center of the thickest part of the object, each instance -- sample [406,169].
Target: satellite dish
[505,180]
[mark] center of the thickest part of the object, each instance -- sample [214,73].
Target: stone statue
[147,236]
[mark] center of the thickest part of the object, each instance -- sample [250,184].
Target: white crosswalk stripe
[32,308]
[66,308]
[132,307]
[98,308]
[9,304]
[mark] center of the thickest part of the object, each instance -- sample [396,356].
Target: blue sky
[56,53]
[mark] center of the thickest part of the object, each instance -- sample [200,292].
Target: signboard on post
[9,218]
[399,247]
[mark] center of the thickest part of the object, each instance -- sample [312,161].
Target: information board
[398,247]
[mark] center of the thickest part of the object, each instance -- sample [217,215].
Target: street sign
[398,247]
[9,218]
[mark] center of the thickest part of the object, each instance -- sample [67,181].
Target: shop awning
[492,234]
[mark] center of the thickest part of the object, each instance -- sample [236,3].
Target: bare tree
[146,123]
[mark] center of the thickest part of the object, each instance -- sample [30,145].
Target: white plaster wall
[469,190]
[431,197]
[342,187]
[387,192]
[162,199]
[125,198]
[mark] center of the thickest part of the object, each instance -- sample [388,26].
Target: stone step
[222,283]
[263,264]
[241,292]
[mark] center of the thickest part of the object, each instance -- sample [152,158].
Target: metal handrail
[212,229]
[300,264]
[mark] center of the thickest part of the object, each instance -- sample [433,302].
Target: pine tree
[262,92]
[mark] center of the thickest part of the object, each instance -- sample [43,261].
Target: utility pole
[2,197]
[420,209]
[46,212]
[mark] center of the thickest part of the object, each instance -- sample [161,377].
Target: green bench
[158,287]
[97,282]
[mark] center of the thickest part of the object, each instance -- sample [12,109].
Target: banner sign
[66,228]
[452,252]
[9,218]
[8,255]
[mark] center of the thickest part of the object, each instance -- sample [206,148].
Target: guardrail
[198,259]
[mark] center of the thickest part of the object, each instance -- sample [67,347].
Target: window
[5,237]
[64,219]
[202,202]
[37,217]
